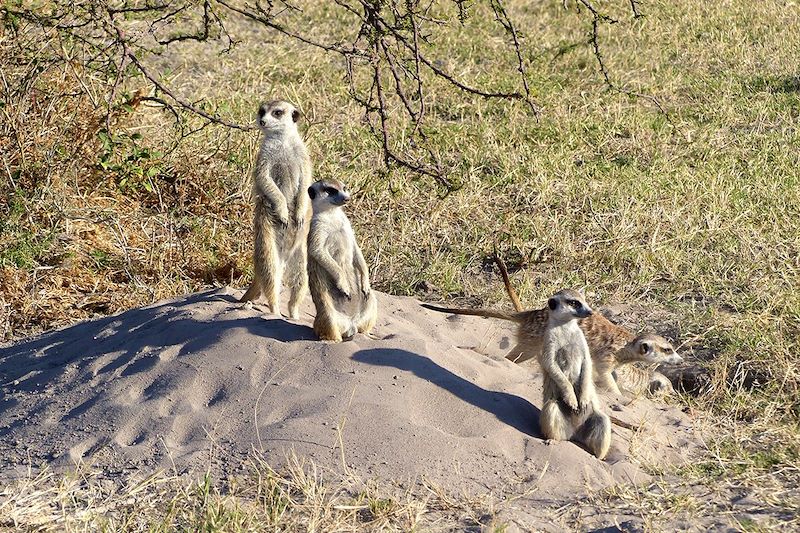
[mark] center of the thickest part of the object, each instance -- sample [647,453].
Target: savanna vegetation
[644,151]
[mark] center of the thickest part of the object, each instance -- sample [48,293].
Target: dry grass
[693,212]
[260,499]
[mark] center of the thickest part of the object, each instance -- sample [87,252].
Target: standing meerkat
[282,209]
[337,273]
[570,408]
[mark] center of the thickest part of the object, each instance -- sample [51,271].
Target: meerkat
[615,370]
[615,350]
[570,408]
[337,273]
[282,209]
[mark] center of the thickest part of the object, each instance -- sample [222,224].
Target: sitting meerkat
[337,273]
[570,409]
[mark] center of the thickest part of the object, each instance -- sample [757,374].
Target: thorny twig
[594,40]
[505,21]
[393,36]
[123,42]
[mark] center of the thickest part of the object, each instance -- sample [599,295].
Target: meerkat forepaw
[283,216]
[584,403]
[572,402]
[342,287]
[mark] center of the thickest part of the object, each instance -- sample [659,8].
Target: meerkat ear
[312,193]
[295,115]
[553,304]
[644,347]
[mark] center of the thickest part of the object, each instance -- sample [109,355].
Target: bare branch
[266,18]
[394,38]
[164,89]
[505,21]
[594,40]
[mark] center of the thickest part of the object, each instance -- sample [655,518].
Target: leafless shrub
[390,57]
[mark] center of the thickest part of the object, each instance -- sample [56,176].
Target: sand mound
[201,381]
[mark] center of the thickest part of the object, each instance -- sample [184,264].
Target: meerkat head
[277,115]
[328,194]
[655,349]
[566,305]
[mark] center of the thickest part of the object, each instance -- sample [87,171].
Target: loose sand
[201,381]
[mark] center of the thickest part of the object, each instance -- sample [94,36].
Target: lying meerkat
[337,273]
[615,370]
[570,409]
[282,175]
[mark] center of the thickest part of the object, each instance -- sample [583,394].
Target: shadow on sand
[517,412]
[135,337]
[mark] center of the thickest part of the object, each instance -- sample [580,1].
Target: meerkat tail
[597,435]
[507,281]
[252,293]
[486,313]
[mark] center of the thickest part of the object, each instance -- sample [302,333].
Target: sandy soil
[201,381]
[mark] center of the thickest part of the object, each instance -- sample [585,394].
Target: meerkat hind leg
[554,423]
[267,267]
[253,292]
[346,325]
[595,434]
[325,327]
[330,325]
[271,285]
[298,281]
[368,316]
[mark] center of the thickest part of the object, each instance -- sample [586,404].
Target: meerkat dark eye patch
[574,303]
[278,113]
[312,193]
[331,190]
[295,115]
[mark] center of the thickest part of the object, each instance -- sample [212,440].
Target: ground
[677,208]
